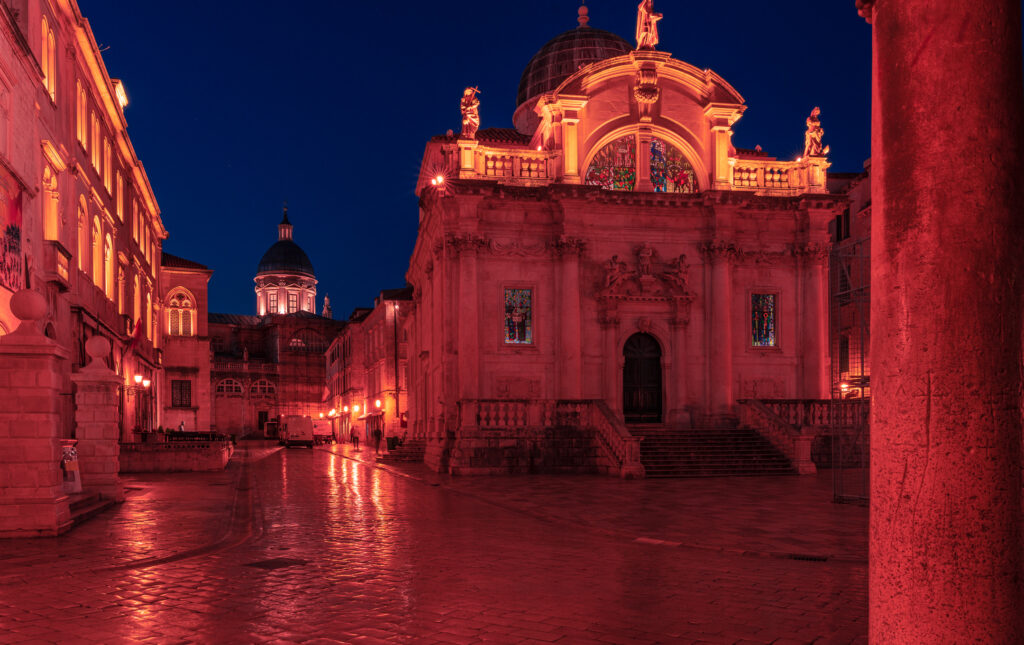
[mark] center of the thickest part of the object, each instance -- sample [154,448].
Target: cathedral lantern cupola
[285,281]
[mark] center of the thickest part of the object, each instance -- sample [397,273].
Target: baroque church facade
[612,267]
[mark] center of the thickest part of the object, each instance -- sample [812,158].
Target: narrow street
[313,546]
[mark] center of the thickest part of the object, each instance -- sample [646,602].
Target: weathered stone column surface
[719,256]
[571,371]
[32,499]
[96,425]
[945,561]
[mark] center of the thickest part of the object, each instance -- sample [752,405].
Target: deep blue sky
[237,106]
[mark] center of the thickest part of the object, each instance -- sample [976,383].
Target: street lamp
[140,391]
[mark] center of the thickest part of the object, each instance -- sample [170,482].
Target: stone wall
[175,457]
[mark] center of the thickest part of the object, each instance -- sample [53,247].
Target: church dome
[564,54]
[285,256]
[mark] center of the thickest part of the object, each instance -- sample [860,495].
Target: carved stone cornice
[718,251]
[517,248]
[865,9]
[815,252]
[762,256]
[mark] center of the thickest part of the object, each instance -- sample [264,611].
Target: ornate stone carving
[814,135]
[865,9]
[649,280]
[718,250]
[470,107]
[517,248]
[647,25]
[643,324]
[569,246]
[456,245]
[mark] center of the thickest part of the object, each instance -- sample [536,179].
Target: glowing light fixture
[377,403]
[345,409]
[122,96]
[539,148]
[146,382]
[138,379]
[355,408]
[321,415]
[332,413]
[844,386]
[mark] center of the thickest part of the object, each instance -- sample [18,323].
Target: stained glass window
[518,316]
[670,171]
[762,319]
[614,167]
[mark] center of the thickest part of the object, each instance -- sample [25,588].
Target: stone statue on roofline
[470,106]
[647,25]
[814,135]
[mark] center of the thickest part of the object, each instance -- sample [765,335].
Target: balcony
[57,264]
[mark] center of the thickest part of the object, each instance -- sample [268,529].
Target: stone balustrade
[818,414]
[779,178]
[787,439]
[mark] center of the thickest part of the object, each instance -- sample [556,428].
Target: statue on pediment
[647,25]
[814,135]
[613,271]
[470,106]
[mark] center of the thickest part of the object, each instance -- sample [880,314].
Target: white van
[297,430]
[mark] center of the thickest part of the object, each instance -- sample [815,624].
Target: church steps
[708,452]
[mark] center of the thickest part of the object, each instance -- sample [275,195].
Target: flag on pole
[136,339]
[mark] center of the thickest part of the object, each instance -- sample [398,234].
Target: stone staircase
[722,451]
[86,505]
[411,450]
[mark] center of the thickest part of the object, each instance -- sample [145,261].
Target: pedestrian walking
[354,436]
[377,435]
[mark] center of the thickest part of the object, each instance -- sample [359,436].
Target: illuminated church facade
[611,268]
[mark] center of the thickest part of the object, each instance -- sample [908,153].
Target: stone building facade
[362,363]
[612,266]
[78,218]
[239,374]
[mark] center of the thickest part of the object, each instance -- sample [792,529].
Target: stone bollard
[96,426]
[32,499]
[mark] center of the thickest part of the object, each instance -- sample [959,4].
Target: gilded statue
[814,135]
[470,107]
[647,25]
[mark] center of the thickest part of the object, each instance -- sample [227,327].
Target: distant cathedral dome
[559,59]
[285,281]
[285,256]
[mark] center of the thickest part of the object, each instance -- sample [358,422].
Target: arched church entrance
[641,380]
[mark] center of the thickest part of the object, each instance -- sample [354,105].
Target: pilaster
[96,393]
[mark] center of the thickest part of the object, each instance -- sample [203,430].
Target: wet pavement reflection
[312,546]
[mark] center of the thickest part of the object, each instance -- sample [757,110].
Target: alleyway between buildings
[324,546]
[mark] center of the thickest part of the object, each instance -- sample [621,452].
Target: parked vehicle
[322,432]
[296,430]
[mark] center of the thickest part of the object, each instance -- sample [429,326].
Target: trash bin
[69,466]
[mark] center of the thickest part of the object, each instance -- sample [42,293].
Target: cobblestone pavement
[314,546]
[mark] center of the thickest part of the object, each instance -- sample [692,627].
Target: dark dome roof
[285,256]
[564,55]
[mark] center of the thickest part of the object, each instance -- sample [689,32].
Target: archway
[641,380]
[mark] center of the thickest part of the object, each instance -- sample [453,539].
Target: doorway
[641,380]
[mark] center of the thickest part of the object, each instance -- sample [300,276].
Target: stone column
[678,415]
[468,311]
[32,499]
[643,160]
[814,318]
[947,136]
[613,358]
[571,358]
[719,255]
[96,392]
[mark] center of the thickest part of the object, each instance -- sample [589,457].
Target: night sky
[238,106]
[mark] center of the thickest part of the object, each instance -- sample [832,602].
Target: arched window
[108,266]
[81,105]
[51,205]
[83,235]
[137,305]
[181,311]
[97,252]
[614,167]
[307,340]
[48,62]
[262,387]
[229,386]
[670,171]
[149,315]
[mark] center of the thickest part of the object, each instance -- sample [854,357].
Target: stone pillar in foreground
[719,255]
[32,499]
[947,240]
[96,426]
